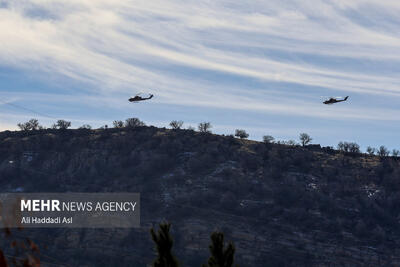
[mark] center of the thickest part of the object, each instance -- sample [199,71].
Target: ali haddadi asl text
[46,220]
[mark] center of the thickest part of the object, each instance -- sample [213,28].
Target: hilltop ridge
[279,204]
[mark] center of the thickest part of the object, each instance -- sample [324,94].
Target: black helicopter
[138,98]
[333,100]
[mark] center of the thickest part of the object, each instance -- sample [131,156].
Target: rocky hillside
[280,205]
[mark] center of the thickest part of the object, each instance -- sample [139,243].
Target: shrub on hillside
[242,134]
[176,124]
[204,127]
[61,125]
[133,123]
[305,139]
[31,125]
[118,124]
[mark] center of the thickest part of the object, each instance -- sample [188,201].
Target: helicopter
[334,100]
[139,97]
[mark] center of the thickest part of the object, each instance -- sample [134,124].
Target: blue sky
[262,66]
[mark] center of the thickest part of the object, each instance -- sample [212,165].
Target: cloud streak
[107,44]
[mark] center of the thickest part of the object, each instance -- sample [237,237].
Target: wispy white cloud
[106,43]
